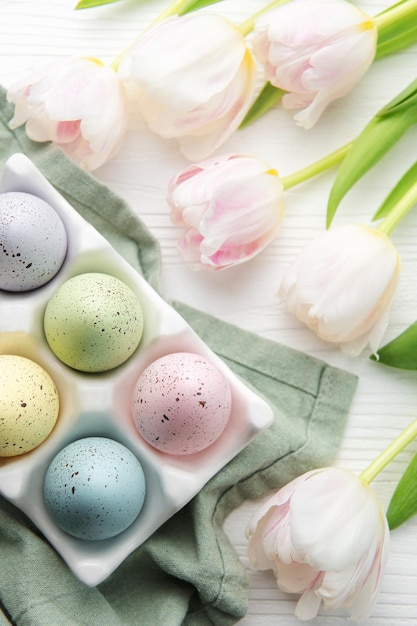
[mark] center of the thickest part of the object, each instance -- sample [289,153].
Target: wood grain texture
[33,33]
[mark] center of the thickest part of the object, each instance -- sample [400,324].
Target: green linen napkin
[187,573]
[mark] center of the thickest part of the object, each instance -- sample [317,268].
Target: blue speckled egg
[33,242]
[94,488]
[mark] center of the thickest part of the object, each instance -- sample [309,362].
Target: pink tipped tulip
[79,104]
[342,285]
[194,78]
[316,51]
[231,207]
[325,536]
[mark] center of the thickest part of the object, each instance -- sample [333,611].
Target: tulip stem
[399,211]
[316,168]
[395,447]
[174,8]
[398,11]
[248,25]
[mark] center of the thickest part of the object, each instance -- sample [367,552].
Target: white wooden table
[33,32]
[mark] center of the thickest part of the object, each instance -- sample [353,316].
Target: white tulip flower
[231,207]
[316,51]
[325,536]
[194,77]
[80,104]
[342,286]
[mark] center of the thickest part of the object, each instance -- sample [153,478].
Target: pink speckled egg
[181,403]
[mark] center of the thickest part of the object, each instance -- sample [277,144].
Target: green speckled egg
[29,405]
[93,322]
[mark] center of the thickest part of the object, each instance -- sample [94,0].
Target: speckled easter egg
[181,403]
[94,488]
[29,405]
[33,242]
[93,322]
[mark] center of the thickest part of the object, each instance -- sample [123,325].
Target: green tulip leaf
[194,5]
[266,99]
[401,352]
[403,503]
[393,6]
[406,99]
[376,139]
[191,5]
[404,185]
[89,4]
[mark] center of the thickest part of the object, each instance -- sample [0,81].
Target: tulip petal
[212,172]
[331,542]
[326,537]
[195,79]
[193,57]
[357,586]
[325,79]
[235,204]
[202,129]
[67,131]
[189,201]
[309,603]
[235,218]
[80,104]
[279,498]
[40,128]
[228,114]
[314,51]
[262,545]
[189,245]
[342,286]
[296,577]
[307,606]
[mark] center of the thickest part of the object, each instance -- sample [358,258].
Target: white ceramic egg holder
[99,404]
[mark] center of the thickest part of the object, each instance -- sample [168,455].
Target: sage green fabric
[187,573]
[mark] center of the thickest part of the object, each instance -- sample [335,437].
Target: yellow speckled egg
[93,322]
[29,405]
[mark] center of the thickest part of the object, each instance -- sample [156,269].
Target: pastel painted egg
[33,242]
[94,488]
[93,322]
[181,403]
[29,405]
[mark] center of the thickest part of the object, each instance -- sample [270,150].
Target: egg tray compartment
[99,404]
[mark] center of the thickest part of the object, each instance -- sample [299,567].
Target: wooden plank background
[33,33]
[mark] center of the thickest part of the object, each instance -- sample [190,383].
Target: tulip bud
[79,104]
[194,78]
[316,51]
[325,536]
[342,285]
[231,207]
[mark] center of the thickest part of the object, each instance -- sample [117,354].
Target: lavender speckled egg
[29,405]
[33,242]
[181,403]
[93,322]
[94,488]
